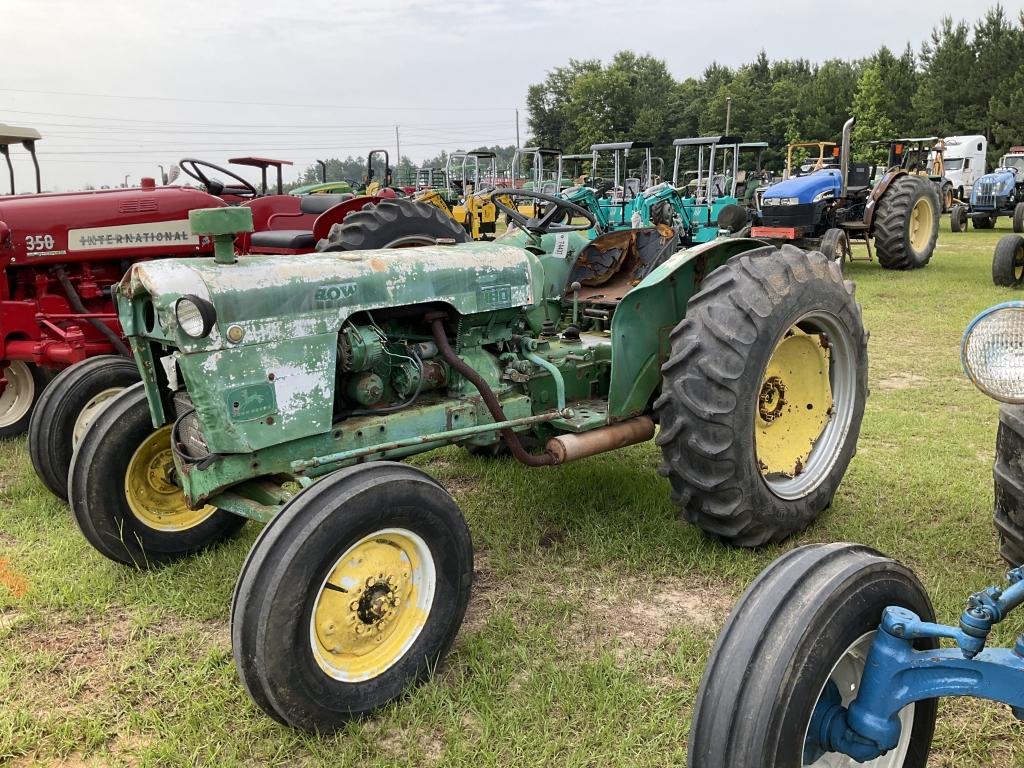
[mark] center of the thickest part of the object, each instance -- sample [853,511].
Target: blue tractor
[832,657]
[836,203]
[1000,193]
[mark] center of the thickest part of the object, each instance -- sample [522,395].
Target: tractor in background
[469,178]
[284,390]
[836,204]
[27,138]
[923,156]
[1000,193]
[828,157]
[323,187]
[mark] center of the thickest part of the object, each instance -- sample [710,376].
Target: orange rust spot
[10,578]
[378,265]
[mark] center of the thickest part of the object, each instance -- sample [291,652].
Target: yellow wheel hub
[152,494]
[794,404]
[373,605]
[921,219]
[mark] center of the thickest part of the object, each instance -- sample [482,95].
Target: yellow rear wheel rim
[373,605]
[153,496]
[921,218]
[794,404]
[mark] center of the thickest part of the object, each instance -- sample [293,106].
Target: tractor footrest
[588,415]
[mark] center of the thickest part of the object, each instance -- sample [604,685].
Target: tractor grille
[188,432]
[803,215]
[986,195]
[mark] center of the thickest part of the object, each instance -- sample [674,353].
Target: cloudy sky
[118,87]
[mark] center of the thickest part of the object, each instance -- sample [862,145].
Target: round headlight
[992,352]
[195,316]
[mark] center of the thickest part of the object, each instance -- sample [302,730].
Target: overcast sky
[117,88]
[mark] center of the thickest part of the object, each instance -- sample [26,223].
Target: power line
[134,97]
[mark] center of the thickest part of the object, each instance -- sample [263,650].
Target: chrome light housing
[780,201]
[195,316]
[992,352]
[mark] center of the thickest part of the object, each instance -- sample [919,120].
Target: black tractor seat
[298,238]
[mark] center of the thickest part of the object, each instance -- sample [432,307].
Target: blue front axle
[896,674]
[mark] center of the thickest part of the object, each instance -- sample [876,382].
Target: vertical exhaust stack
[844,155]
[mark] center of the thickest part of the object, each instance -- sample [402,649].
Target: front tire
[1008,473]
[18,396]
[1018,218]
[763,395]
[958,218]
[122,491]
[836,246]
[65,410]
[806,621]
[351,594]
[906,223]
[1008,261]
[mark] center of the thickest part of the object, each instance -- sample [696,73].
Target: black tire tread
[377,225]
[1004,260]
[891,221]
[1008,477]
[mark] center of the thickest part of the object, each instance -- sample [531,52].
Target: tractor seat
[283,238]
[319,203]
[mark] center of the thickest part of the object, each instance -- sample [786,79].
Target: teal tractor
[287,390]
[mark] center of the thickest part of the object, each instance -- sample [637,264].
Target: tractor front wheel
[1018,218]
[906,223]
[21,385]
[1009,484]
[836,246]
[123,491]
[1008,261]
[763,395]
[958,218]
[799,637]
[350,595]
[66,409]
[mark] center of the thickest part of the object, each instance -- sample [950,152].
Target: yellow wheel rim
[373,605]
[921,219]
[153,497]
[794,404]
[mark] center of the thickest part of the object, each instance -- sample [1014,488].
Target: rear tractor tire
[763,395]
[958,218]
[397,223]
[1008,474]
[123,494]
[1018,218]
[1008,261]
[352,594]
[66,409]
[19,393]
[799,636]
[906,223]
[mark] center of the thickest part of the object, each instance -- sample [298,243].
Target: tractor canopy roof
[805,188]
[621,145]
[10,134]
[707,140]
[543,151]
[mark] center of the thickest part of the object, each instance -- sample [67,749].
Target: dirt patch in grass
[901,381]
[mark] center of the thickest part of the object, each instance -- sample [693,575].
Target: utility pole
[728,114]
[517,128]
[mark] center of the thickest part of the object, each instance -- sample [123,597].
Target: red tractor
[61,253]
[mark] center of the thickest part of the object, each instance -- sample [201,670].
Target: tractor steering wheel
[192,168]
[546,222]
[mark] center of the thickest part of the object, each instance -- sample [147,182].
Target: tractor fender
[877,192]
[645,317]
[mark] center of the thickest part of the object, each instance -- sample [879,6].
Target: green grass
[593,609]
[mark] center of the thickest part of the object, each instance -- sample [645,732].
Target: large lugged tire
[24,384]
[906,223]
[763,395]
[122,493]
[1008,261]
[947,197]
[351,594]
[1008,473]
[812,608]
[392,224]
[66,409]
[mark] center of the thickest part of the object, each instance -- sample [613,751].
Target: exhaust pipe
[570,447]
[844,155]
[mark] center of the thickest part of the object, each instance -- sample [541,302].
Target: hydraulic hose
[76,304]
[490,399]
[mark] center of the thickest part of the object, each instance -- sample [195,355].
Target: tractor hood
[272,298]
[804,189]
[1000,183]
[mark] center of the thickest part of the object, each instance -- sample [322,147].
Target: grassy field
[593,609]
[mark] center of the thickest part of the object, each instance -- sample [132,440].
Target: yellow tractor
[469,178]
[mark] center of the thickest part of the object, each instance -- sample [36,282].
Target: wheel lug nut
[354,605]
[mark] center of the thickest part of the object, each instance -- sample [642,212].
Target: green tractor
[285,390]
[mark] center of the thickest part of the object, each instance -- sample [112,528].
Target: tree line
[966,78]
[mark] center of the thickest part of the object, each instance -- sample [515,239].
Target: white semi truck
[964,161]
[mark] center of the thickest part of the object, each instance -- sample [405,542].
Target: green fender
[645,317]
